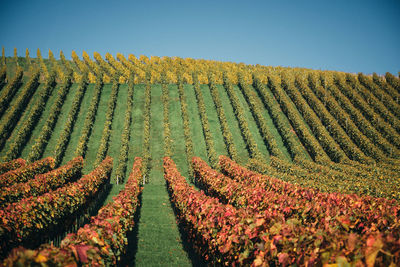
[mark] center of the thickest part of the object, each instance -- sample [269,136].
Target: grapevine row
[359,218]
[3,76]
[105,137]
[9,91]
[379,108]
[382,126]
[167,129]
[41,141]
[393,81]
[42,183]
[42,64]
[55,66]
[65,134]
[125,74]
[209,141]
[226,133]
[65,63]
[256,110]
[338,121]
[352,205]
[81,65]
[380,94]
[146,128]
[349,117]
[186,124]
[333,149]
[14,113]
[93,67]
[27,172]
[291,140]
[333,178]
[217,231]
[123,154]
[105,66]
[342,118]
[11,165]
[243,125]
[90,117]
[309,140]
[25,221]
[28,125]
[102,242]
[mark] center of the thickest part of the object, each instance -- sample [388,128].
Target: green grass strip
[327,142]
[226,133]
[10,90]
[212,154]
[177,134]
[65,135]
[186,125]
[196,128]
[13,115]
[344,92]
[306,136]
[124,148]
[136,138]
[158,239]
[243,124]
[167,129]
[33,117]
[255,108]
[41,141]
[146,129]
[90,119]
[281,122]
[105,138]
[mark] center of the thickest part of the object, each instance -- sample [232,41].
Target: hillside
[329,132]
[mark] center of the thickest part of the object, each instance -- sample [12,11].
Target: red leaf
[283,259]
[82,250]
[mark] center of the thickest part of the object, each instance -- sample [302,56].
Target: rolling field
[180,162]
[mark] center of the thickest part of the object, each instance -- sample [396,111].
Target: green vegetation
[328,131]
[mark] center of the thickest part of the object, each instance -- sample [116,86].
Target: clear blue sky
[345,35]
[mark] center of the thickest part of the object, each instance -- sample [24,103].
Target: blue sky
[352,36]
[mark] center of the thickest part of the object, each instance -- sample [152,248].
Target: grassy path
[117,126]
[76,132]
[213,120]
[242,152]
[41,122]
[97,131]
[273,129]
[115,139]
[159,242]
[251,122]
[199,148]
[177,135]
[62,118]
[21,121]
[136,140]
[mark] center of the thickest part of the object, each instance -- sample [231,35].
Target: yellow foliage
[92,77]
[106,78]
[122,79]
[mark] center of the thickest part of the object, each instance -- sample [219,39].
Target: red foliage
[337,224]
[24,173]
[42,183]
[11,165]
[28,216]
[99,243]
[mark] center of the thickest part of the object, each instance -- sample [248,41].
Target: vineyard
[137,161]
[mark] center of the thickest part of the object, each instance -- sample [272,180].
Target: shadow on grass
[194,257]
[129,258]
